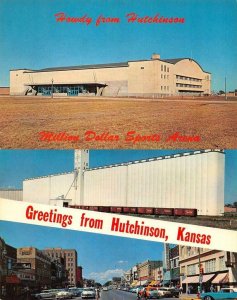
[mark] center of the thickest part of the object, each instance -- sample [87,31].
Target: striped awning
[221,278]
[195,279]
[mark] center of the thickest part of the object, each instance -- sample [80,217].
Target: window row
[164,76]
[165,68]
[192,269]
[210,266]
[188,78]
[188,85]
[164,88]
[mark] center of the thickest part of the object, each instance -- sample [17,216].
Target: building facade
[70,260]
[141,78]
[147,271]
[79,276]
[38,272]
[9,283]
[174,265]
[12,194]
[206,267]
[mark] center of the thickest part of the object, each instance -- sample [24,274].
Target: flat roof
[107,65]
[139,161]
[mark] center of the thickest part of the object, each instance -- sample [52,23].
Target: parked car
[63,294]
[174,292]
[164,292]
[133,290]
[46,294]
[75,291]
[224,293]
[151,293]
[88,293]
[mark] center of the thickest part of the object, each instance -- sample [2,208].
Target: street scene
[28,273]
[112,294]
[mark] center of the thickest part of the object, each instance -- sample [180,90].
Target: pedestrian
[97,294]
[138,294]
[189,290]
[180,290]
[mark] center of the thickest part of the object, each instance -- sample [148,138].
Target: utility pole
[225,90]
[200,271]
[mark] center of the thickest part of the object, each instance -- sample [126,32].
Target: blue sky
[31,38]
[101,256]
[17,165]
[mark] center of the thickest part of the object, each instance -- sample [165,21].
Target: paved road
[118,295]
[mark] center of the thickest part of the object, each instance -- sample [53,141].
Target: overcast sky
[31,37]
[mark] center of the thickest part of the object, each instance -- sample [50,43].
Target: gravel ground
[27,122]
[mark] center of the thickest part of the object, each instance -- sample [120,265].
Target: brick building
[70,261]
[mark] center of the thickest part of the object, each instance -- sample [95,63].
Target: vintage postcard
[118,74]
[118,149]
[118,224]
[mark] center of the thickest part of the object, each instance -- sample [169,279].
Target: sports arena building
[155,77]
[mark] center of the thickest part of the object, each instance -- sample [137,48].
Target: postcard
[118,149]
[101,75]
[118,245]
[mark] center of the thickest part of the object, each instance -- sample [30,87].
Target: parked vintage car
[46,294]
[63,294]
[224,293]
[88,293]
[164,292]
[75,291]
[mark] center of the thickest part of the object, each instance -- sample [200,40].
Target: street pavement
[118,295]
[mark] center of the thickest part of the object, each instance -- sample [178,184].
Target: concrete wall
[188,181]
[192,180]
[11,194]
[45,190]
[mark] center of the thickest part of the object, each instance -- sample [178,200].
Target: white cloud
[106,275]
[122,262]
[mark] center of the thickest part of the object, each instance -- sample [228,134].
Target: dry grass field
[208,124]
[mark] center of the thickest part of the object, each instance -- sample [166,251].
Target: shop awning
[221,278]
[195,279]
[207,277]
[143,282]
[134,283]
[154,282]
[13,279]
